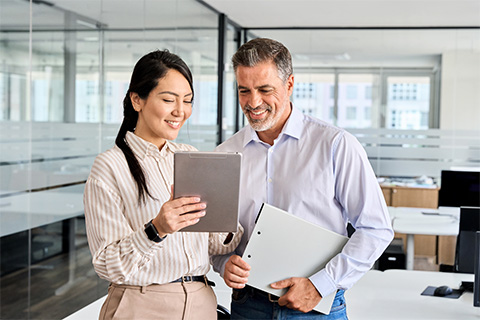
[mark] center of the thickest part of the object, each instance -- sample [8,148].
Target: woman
[132,220]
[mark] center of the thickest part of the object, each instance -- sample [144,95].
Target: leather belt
[188,279]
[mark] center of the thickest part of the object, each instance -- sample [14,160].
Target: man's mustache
[262,107]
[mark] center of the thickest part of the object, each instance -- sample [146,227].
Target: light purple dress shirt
[320,173]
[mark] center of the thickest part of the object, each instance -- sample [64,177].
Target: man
[306,167]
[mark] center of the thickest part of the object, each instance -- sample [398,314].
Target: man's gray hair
[261,50]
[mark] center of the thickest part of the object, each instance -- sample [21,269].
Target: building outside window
[408,102]
[367,100]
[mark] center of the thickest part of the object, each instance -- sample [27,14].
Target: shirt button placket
[269,174]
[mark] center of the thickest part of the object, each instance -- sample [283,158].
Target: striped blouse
[122,252]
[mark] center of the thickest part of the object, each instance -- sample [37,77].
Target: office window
[332,92]
[350,102]
[351,113]
[313,94]
[351,92]
[408,102]
[116,86]
[367,112]
[368,92]
[14,97]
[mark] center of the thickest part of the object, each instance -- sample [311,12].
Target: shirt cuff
[145,245]
[219,262]
[323,283]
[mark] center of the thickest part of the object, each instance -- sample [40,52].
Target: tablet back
[215,178]
[282,246]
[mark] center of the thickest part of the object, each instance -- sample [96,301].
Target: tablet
[215,178]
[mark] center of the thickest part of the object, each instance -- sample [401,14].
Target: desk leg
[70,244]
[410,251]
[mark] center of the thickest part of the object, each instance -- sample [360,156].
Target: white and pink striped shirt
[122,252]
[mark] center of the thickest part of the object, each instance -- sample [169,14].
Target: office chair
[222,312]
[465,247]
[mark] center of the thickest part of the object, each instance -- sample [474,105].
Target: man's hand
[301,295]
[236,272]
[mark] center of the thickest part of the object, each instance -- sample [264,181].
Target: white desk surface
[412,221]
[30,210]
[392,294]
[396,294]
[89,312]
[415,212]
[427,225]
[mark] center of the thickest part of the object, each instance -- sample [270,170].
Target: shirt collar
[293,127]
[142,148]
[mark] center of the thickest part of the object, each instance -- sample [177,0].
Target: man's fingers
[240,263]
[301,295]
[282,284]
[235,282]
[236,272]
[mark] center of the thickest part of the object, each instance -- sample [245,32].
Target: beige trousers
[186,301]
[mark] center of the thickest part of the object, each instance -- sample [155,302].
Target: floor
[43,301]
[32,293]
[425,263]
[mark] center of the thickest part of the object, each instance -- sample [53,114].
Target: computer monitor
[476,282]
[468,226]
[459,188]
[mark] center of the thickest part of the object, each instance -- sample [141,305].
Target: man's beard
[262,124]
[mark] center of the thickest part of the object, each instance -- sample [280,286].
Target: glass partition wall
[409,95]
[64,71]
[406,93]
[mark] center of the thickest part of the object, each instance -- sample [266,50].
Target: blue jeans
[249,303]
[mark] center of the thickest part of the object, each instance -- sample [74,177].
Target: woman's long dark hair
[147,72]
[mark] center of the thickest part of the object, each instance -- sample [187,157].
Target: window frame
[384,73]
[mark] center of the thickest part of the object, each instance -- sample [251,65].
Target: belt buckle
[187,279]
[272,299]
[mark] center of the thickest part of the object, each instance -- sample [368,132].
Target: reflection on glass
[61,101]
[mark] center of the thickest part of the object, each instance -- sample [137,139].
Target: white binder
[282,246]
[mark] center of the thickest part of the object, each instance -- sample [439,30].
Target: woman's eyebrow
[174,94]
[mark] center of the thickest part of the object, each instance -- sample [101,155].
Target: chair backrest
[465,248]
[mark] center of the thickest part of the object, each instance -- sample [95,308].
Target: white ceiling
[350,13]
[337,36]
[344,46]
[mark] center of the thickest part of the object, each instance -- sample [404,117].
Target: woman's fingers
[180,213]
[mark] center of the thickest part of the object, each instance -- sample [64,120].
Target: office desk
[392,294]
[412,221]
[396,294]
[26,211]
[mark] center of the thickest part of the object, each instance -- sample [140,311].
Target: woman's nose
[179,109]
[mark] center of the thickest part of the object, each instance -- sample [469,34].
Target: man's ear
[290,82]
[136,101]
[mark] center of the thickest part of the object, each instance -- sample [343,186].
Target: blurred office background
[403,76]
